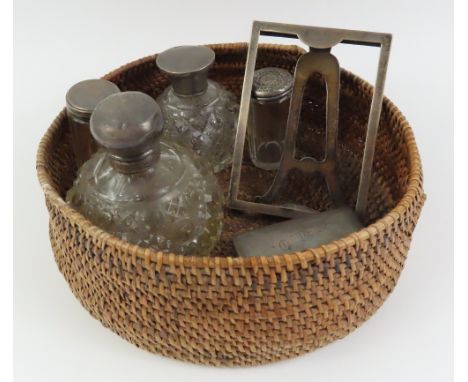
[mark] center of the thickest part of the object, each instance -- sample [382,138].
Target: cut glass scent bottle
[198,112]
[147,191]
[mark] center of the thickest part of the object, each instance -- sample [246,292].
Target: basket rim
[358,239]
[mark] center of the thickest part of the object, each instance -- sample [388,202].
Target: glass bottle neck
[190,85]
[135,165]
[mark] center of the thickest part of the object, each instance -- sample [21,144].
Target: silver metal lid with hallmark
[271,83]
[127,124]
[83,97]
[188,67]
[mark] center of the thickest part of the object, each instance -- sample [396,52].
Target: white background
[58,43]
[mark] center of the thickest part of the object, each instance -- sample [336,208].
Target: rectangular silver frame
[319,38]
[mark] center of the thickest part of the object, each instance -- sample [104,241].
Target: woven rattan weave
[245,311]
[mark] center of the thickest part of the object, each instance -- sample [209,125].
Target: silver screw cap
[83,97]
[187,66]
[127,124]
[271,83]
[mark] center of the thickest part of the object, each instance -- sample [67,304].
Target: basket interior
[391,162]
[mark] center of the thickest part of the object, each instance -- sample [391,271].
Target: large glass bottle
[198,112]
[82,99]
[147,191]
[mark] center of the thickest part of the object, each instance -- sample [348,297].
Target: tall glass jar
[147,191]
[82,99]
[199,113]
[269,108]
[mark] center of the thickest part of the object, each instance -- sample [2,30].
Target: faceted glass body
[173,206]
[205,122]
[268,116]
[266,131]
[83,143]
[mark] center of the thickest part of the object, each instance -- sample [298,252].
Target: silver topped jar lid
[188,67]
[127,124]
[83,97]
[271,83]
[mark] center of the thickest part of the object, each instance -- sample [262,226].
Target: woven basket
[224,310]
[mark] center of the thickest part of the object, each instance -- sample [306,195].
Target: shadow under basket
[223,310]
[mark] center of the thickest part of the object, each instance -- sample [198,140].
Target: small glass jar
[144,190]
[268,115]
[82,99]
[198,112]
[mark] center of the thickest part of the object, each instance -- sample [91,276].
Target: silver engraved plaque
[298,234]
